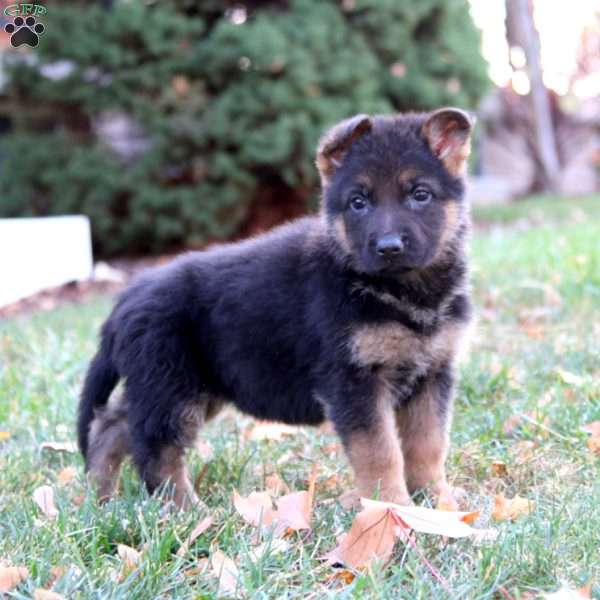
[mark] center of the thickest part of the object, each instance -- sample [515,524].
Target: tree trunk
[521,31]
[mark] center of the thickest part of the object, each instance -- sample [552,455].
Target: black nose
[390,245]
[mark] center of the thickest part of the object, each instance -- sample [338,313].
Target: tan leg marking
[109,444]
[376,457]
[171,469]
[424,443]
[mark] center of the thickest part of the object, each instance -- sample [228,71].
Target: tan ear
[334,145]
[448,131]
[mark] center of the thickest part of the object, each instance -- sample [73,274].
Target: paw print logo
[24,31]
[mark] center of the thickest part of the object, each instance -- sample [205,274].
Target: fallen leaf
[256,509]
[66,475]
[59,446]
[130,558]
[523,451]
[372,536]
[204,449]
[4,435]
[345,576]
[569,378]
[593,428]
[275,485]
[271,431]
[41,594]
[196,533]
[11,577]
[224,568]
[55,574]
[499,468]
[593,442]
[44,498]
[565,592]
[200,567]
[294,510]
[429,520]
[510,509]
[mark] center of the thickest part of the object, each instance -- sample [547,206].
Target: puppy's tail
[101,379]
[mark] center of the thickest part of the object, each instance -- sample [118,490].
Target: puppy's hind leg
[109,443]
[162,427]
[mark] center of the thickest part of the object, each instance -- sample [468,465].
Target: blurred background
[175,124]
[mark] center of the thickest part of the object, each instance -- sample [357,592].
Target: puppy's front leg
[423,426]
[367,426]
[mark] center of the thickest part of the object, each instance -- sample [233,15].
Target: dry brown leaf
[429,520]
[593,442]
[66,475]
[566,592]
[271,431]
[201,565]
[523,451]
[294,510]
[499,468]
[344,576]
[372,536]
[510,509]
[204,449]
[44,498]
[55,574]
[196,533]
[224,568]
[59,446]
[130,558]
[41,594]
[593,428]
[11,577]
[275,485]
[256,509]
[4,435]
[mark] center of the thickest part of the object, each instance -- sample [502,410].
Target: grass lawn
[531,381]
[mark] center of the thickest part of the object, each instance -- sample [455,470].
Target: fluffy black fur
[266,323]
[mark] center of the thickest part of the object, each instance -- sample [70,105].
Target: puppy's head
[393,188]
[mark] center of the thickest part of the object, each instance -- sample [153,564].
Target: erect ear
[448,131]
[334,145]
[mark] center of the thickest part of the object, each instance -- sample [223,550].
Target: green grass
[537,291]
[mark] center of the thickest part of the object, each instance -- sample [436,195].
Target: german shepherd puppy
[353,315]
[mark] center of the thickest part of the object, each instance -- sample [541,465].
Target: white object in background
[38,253]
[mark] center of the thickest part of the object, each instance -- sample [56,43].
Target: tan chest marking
[391,344]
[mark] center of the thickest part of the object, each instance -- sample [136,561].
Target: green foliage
[224,110]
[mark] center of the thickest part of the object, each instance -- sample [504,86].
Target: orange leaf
[41,594]
[11,577]
[4,435]
[224,568]
[130,558]
[256,509]
[44,498]
[372,536]
[499,468]
[510,509]
[67,475]
[196,532]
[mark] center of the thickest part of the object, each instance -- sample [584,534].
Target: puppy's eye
[421,195]
[358,203]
